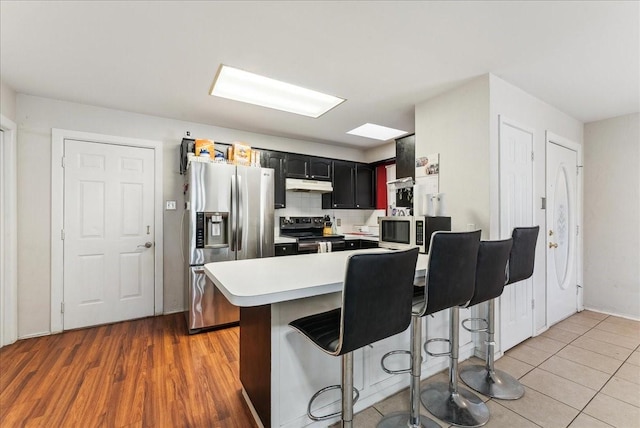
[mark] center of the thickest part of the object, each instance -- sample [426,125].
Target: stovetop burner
[305,229]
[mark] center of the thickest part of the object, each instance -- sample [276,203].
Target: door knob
[146,245]
[552,245]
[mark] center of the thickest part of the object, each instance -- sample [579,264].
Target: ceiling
[160,58]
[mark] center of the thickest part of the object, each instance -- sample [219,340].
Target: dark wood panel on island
[255,358]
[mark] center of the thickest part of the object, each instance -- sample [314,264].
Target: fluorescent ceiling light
[240,85]
[377,132]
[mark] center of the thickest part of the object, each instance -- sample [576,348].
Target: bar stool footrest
[396,352]
[483,321]
[318,394]
[437,354]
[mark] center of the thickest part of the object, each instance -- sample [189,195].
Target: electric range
[308,233]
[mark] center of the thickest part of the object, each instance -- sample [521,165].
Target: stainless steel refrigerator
[228,216]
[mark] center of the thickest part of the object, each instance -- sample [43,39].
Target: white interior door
[3,241]
[516,209]
[108,233]
[562,286]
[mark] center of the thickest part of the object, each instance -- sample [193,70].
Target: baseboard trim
[32,335]
[629,317]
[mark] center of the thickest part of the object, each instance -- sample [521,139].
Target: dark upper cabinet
[297,166]
[308,167]
[277,161]
[406,157]
[320,169]
[353,186]
[365,188]
[343,186]
[405,167]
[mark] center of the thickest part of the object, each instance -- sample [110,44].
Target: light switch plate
[171,205]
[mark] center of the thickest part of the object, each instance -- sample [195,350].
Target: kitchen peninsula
[279,369]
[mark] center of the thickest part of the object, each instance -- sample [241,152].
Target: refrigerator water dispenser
[211,229]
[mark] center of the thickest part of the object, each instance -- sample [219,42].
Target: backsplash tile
[301,204]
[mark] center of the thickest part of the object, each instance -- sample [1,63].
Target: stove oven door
[307,247]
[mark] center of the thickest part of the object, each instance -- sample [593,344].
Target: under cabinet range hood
[301,185]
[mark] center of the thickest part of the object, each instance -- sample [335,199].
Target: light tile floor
[583,372]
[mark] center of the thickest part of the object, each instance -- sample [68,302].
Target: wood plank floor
[142,373]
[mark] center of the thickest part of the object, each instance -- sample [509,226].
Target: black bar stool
[376,303]
[449,282]
[486,379]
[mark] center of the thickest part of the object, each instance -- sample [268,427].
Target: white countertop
[258,282]
[284,240]
[347,237]
[354,236]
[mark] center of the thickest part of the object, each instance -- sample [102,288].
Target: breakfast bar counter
[279,369]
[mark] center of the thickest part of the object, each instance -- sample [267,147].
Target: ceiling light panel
[377,132]
[240,85]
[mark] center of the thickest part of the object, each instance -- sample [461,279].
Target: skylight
[377,132]
[240,85]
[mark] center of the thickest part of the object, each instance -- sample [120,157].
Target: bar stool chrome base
[496,383]
[461,408]
[401,420]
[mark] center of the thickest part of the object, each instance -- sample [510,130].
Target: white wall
[612,216]
[382,152]
[517,105]
[456,125]
[7,101]
[462,126]
[36,117]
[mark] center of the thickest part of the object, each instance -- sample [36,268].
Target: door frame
[57,215]
[502,119]
[551,138]
[8,229]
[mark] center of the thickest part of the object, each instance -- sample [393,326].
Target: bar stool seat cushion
[376,294]
[452,269]
[491,270]
[523,252]
[323,329]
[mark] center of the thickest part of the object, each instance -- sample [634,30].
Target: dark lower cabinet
[357,244]
[352,244]
[368,244]
[286,249]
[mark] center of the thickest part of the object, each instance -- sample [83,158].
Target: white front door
[3,243]
[516,209]
[108,233]
[562,300]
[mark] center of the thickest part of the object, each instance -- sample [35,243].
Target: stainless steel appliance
[308,232]
[406,232]
[228,216]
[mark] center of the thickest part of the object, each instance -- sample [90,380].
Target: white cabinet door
[561,233]
[516,209]
[108,233]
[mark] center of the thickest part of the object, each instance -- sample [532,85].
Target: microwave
[399,233]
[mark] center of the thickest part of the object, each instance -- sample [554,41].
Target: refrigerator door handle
[240,213]
[232,214]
